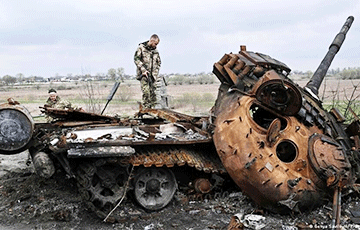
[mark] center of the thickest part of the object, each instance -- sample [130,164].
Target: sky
[60,37]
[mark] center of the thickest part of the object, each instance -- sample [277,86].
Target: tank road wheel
[154,187]
[101,185]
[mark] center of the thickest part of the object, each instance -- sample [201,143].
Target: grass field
[123,103]
[194,99]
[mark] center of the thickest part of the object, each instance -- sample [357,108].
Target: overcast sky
[45,38]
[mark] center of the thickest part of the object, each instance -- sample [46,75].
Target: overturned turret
[274,138]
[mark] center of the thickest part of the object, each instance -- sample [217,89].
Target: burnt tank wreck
[273,138]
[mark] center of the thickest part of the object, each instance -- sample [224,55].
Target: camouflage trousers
[148,93]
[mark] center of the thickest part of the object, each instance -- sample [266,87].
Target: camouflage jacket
[58,103]
[147,59]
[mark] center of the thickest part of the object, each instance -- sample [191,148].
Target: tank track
[101,182]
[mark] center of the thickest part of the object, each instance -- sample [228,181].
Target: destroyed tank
[272,137]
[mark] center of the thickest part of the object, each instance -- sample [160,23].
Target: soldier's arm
[157,67]
[138,60]
[159,60]
[63,104]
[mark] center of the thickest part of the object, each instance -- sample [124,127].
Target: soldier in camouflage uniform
[54,101]
[147,61]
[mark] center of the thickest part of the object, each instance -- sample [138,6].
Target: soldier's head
[52,94]
[153,41]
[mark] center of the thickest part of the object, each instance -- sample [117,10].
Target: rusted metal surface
[279,170]
[274,131]
[202,185]
[198,124]
[201,159]
[356,143]
[235,224]
[335,223]
[276,141]
[280,95]
[76,115]
[238,69]
[92,139]
[337,114]
[328,160]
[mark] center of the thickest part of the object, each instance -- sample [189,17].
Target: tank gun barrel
[318,77]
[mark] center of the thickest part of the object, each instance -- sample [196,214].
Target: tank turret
[278,144]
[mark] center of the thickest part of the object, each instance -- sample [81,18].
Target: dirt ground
[30,202]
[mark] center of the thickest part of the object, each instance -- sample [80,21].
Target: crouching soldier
[54,101]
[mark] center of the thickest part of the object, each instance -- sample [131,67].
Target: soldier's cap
[52,91]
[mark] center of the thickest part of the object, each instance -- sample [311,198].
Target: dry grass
[33,96]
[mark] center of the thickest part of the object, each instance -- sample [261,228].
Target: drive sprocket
[101,184]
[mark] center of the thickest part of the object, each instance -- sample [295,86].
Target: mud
[30,202]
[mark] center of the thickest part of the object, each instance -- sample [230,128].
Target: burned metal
[306,151]
[76,115]
[154,183]
[97,150]
[202,185]
[16,128]
[272,137]
[43,165]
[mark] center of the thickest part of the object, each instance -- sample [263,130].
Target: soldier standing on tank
[148,62]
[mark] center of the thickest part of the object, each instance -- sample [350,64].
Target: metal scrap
[104,151]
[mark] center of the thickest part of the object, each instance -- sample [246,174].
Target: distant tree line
[200,78]
[346,73]
[112,74]
[174,78]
